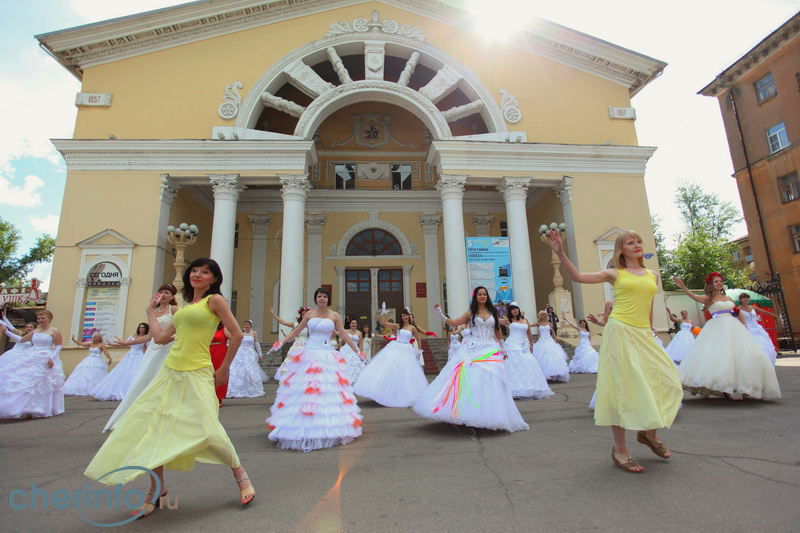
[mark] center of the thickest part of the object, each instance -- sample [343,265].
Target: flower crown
[304,308]
[713,275]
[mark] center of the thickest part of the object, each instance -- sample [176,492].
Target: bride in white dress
[244,379]
[725,360]
[355,363]
[585,359]
[11,357]
[683,341]
[756,330]
[314,406]
[299,341]
[115,385]
[524,373]
[550,355]
[34,386]
[473,388]
[91,371]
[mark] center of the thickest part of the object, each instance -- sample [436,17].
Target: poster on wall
[100,312]
[489,265]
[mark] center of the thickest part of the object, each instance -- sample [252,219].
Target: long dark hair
[171,288]
[215,288]
[473,307]
[405,311]
[510,315]
[324,291]
[146,327]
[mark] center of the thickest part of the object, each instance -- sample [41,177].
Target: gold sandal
[148,507]
[248,491]
[660,449]
[628,465]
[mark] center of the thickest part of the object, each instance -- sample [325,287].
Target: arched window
[374,242]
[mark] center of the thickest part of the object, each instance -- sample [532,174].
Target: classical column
[564,193]
[407,287]
[258,269]
[226,189]
[314,226]
[430,228]
[482,224]
[294,191]
[373,276]
[515,193]
[169,190]
[340,292]
[451,187]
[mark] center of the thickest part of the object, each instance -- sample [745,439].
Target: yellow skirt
[638,386]
[173,423]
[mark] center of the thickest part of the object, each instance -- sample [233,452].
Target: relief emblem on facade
[371,131]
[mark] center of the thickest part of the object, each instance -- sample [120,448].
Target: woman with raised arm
[299,341]
[586,358]
[455,340]
[394,378]
[725,360]
[91,371]
[175,420]
[10,357]
[355,362]
[548,353]
[762,338]
[245,378]
[682,342]
[638,387]
[524,373]
[116,384]
[154,356]
[34,387]
[473,387]
[314,406]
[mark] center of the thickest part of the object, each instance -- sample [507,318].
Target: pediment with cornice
[104,42]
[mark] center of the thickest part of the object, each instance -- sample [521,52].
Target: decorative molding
[93,99]
[338,66]
[442,84]
[564,190]
[430,224]
[260,224]
[374,56]
[304,78]
[332,249]
[372,132]
[451,187]
[226,187]
[455,113]
[510,107]
[340,270]
[372,222]
[169,189]
[315,224]
[294,187]
[414,249]
[362,25]
[514,188]
[374,171]
[229,107]
[315,172]
[89,242]
[408,71]
[625,113]
[482,224]
[281,104]
[407,269]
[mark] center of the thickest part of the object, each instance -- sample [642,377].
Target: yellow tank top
[634,297]
[195,326]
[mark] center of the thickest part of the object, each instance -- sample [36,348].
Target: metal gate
[773,290]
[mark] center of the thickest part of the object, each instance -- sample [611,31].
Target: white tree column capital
[260,224]
[169,189]
[564,190]
[482,224]
[294,187]
[430,224]
[514,188]
[315,224]
[226,187]
[451,186]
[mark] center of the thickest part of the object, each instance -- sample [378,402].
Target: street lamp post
[560,298]
[181,238]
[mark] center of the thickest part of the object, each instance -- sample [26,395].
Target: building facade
[759,96]
[347,144]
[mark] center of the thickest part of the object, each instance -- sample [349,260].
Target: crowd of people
[183,362]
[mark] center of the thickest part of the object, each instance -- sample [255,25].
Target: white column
[169,190]
[295,189]
[314,225]
[451,188]
[430,228]
[340,292]
[226,189]
[258,269]
[482,224]
[564,193]
[407,287]
[373,276]
[515,193]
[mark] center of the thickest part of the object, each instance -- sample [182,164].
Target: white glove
[11,335]
[503,348]
[258,350]
[383,309]
[439,313]
[55,357]
[7,322]
[275,347]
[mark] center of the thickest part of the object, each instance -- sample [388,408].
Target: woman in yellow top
[638,387]
[174,421]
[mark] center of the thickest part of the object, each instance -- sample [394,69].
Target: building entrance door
[390,290]
[358,295]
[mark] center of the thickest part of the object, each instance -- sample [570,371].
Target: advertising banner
[489,265]
[100,312]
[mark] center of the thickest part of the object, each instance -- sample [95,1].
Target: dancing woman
[34,386]
[682,342]
[756,330]
[725,360]
[473,388]
[548,353]
[586,358]
[524,373]
[20,349]
[299,341]
[394,378]
[117,383]
[91,371]
[314,406]
[355,363]
[174,421]
[638,387]
[245,377]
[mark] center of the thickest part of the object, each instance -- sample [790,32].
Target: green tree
[14,270]
[664,256]
[705,211]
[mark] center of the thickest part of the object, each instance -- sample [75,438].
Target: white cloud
[46,224]
[24,196]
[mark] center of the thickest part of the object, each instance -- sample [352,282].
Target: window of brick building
[794,232]
[777,138]
[790,187]
[345,176]
[765,87]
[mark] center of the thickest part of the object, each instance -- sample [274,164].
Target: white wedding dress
[28,387]
[524,373]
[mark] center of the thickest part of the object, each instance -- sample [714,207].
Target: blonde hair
[708,289]
[45,312]
[619,259]
[540,314]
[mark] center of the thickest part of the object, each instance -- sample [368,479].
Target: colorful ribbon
[458,384]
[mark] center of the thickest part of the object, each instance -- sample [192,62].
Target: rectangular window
[737,256]
[777,138]
[401,177]
[390,280]
[345,176]
[790,187]
[358,280]
[765,87]
[748,254]
[794,232]
[504,228]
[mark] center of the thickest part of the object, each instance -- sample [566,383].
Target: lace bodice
[752,318]
[248,341]
[483,330]
[404,336]
[95,352]
[544,332]
[686,326]
[42,341]
[720,306]
[517,333]
[319,332]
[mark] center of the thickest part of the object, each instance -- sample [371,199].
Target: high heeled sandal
[247,491]
[148,506]
[659,449]
[628,465]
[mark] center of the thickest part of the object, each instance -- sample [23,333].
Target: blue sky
[697,39]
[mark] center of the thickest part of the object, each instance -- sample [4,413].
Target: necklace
[161,309]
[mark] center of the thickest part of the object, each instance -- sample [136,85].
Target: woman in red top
[219,346]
